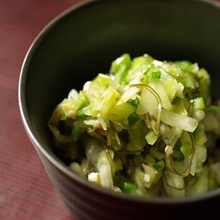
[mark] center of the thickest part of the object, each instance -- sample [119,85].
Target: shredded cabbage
[146,128]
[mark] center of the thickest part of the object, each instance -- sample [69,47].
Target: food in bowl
[146,128]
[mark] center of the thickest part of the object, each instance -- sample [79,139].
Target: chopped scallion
[129,187]
[213,108]
[75,133]
[186,148]
[63,117]
[199,103]
[159,165]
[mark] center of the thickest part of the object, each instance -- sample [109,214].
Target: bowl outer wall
[81,40]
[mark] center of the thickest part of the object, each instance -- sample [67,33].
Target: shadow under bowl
[81,43]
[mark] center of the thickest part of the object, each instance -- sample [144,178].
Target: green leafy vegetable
[146,128]
[129,187]
[63,117]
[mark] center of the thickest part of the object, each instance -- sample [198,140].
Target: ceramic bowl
[82,42]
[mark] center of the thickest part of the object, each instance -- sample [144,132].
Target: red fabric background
[25,189]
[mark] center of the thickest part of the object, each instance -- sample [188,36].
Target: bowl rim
[58,163]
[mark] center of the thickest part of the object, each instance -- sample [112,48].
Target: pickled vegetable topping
[145,128]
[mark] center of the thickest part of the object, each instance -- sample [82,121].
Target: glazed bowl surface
[82,42]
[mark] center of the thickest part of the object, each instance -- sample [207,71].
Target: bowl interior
[84,41]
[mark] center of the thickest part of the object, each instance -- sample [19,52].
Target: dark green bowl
[81,43]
